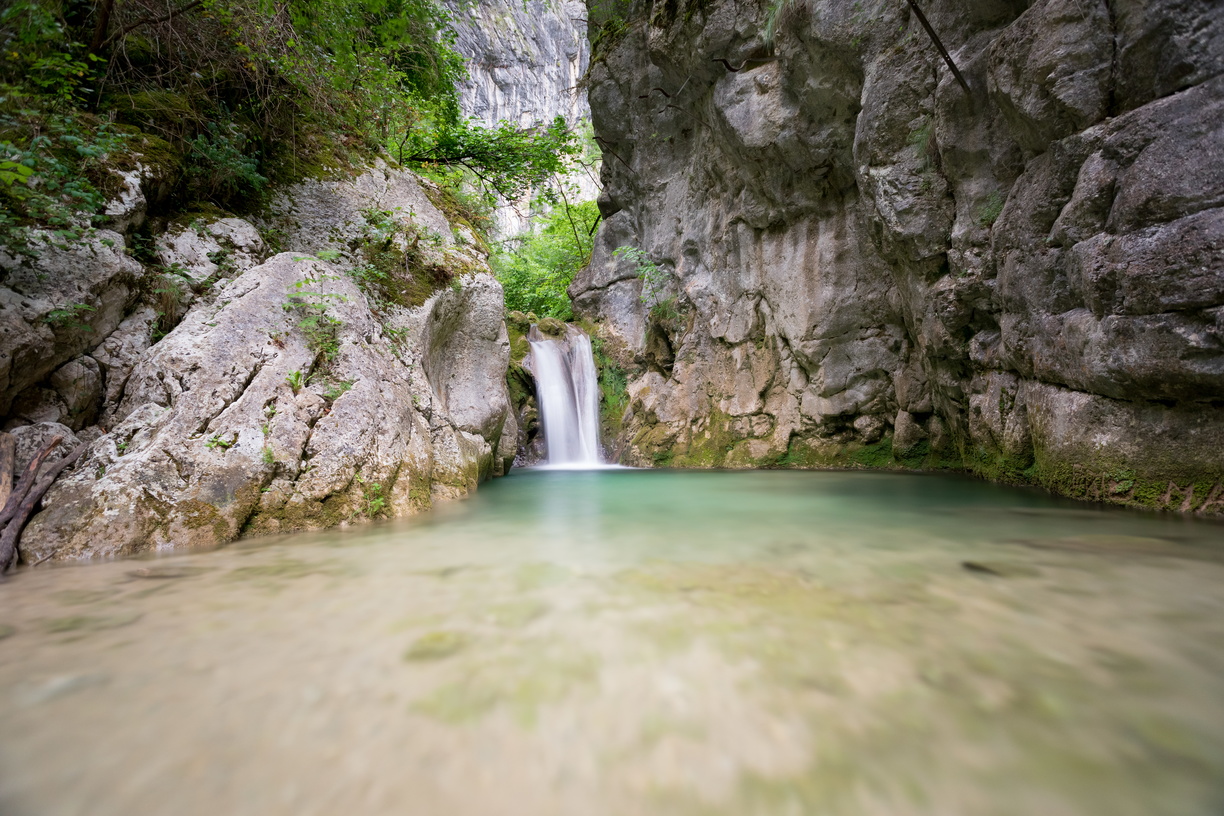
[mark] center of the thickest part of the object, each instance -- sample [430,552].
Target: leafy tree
[508,160]
[536,272]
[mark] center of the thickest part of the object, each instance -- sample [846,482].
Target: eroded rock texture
[866,264]
[292,395]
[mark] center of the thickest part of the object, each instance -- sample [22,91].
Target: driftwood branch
[27,481]
[943,51]
[24,507]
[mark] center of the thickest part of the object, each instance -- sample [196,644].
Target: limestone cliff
[863,262]
[525,63]
[358,371]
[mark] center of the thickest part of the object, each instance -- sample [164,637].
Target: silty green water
[638,642]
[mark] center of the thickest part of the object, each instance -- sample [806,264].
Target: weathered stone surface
[58,304]
[465,356]
[208,249]
[31,439]
[329,215]
[856,245]
[214,440]
[119,353]
[525,62]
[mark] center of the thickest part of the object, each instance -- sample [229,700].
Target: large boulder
[57,302]
[285,404]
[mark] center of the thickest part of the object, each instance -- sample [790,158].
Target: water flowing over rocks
[240,421]
[871,266]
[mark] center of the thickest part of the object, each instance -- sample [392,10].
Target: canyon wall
[849,258]
[525,62]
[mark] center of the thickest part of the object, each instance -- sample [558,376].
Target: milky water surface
[637,642]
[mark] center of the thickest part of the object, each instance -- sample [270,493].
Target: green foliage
[219,442]
[69,317]
[235,93]
[50,166]
[990,209]
[507,160]
[373,498]
[536,272]
[335,390]
[320,327]
[296,380]
[613,388]
[778,11]
[607,24]
[221,167]
[398,271]
[655,278]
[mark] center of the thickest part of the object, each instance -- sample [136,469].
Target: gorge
[657,407]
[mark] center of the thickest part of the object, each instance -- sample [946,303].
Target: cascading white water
[567,389]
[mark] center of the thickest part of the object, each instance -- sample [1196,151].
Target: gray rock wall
[864,264]
[247,417]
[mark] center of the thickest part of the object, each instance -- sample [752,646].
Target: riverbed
[637,642]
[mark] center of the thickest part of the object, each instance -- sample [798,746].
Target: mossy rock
[552,327]
[517,321]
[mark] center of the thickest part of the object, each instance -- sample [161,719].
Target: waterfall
[567,389]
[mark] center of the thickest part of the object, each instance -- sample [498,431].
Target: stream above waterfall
[646,642]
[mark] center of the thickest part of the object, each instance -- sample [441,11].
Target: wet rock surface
[868,265]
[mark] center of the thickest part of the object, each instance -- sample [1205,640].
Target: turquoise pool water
[638,642]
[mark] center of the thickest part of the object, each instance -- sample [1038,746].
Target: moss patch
[437,645]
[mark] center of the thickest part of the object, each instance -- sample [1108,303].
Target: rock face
[855,261]
[293,394]
[526,60]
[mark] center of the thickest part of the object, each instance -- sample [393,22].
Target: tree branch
[12,532]
[170,15]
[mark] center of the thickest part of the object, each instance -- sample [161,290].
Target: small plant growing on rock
[654,277]
[269,458]
[322,330]
[336,390]
[216,441]
[373,500]
[990,210]
[295,380]
[69,317]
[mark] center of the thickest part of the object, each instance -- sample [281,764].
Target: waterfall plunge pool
[638,642]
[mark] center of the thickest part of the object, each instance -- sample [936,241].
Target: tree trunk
[101,26]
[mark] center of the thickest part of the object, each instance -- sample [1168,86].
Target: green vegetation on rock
[217,99]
